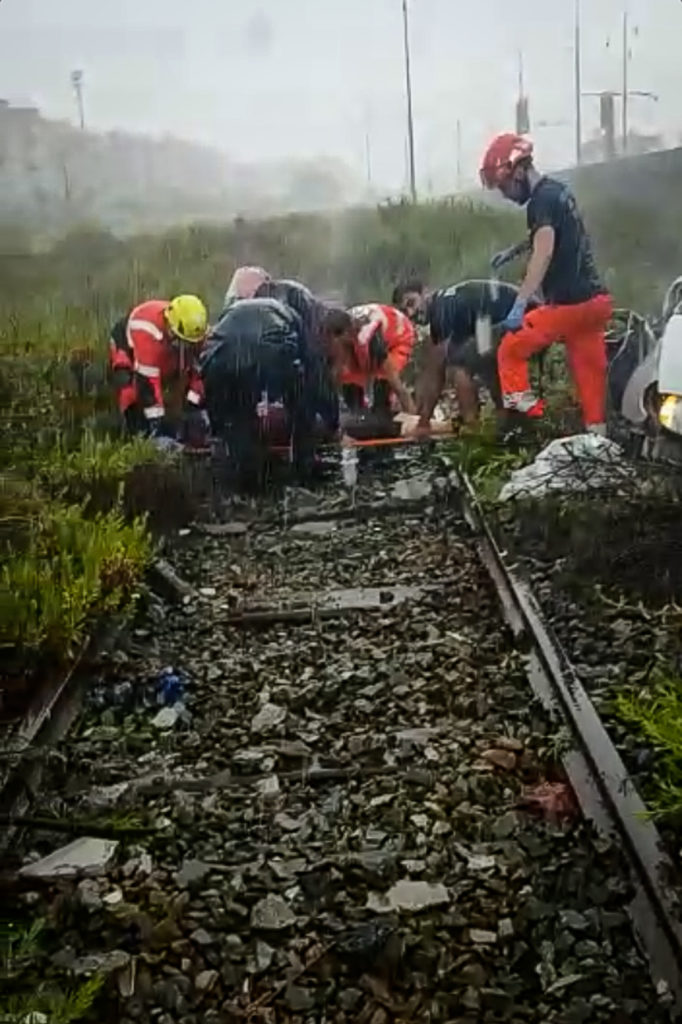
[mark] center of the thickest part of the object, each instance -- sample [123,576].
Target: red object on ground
[582,327]
[553,801]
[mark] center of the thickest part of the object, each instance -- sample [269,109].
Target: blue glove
[166,444]
[514,318]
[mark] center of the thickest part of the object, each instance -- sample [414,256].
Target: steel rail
[47,720]
[605,791]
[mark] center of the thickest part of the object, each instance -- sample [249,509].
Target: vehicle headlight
[670,413]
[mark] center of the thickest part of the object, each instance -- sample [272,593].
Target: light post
[408,91]
[578,89]
[77,83]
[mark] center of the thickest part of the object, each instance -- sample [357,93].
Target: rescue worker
[299,298]
[256,355]
[311,312]
[244,284]
[157,344]
[461,320]
[370,346]
[577,306]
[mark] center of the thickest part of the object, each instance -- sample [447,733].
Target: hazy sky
[266,79]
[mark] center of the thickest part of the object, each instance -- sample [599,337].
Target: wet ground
[336,804]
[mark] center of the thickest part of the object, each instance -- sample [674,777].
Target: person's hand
[500,259]
[161,428]
[514,318]
[420,430]
[347,441]
[166,444]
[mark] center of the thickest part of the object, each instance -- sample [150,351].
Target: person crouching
[256,356]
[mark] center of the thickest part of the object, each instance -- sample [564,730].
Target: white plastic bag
[575,465]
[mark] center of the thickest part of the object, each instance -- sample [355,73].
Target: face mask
[518,190]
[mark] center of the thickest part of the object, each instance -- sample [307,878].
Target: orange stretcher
[382,442]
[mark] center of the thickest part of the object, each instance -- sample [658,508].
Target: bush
[71,571]
[94,474]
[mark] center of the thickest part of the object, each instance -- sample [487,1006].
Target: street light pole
[625,81]
[578,89]
[77,83]
[408,90]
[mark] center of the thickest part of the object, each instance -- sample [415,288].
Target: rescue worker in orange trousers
[370,346]
[156,344]
[576,306]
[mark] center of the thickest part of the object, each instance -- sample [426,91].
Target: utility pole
[459,155]
[77,83]
[368,144]
[578,89]
[522,111]
[408,90]
[607,118]
[626,58]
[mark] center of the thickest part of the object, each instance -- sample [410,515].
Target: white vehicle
[645,380]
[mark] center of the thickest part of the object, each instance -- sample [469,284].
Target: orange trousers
[582,328]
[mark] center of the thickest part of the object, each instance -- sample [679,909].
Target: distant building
[53,175]
[596,149]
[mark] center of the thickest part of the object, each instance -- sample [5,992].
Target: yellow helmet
[187,318]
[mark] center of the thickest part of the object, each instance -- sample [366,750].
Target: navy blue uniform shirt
[572,275]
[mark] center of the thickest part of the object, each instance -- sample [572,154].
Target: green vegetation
[654,707]
[26,997]
[70,570]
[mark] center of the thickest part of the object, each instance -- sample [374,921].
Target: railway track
[349,818]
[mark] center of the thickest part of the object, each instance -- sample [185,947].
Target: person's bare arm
[432,382]
[391,374]
[543,250]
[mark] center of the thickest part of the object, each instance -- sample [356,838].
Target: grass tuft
[654,708]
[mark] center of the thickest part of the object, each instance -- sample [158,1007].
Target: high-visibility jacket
[384,331]
[144,356]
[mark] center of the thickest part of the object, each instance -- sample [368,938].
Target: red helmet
[502,156]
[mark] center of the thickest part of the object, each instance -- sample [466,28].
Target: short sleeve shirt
[572,275]
[453,312]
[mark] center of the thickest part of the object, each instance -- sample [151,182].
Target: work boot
[514,429]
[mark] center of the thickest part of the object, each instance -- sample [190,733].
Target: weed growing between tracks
[26,998]
[653,705]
